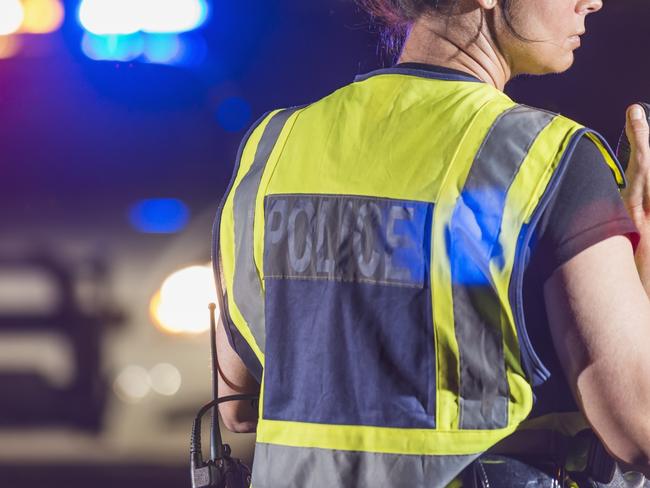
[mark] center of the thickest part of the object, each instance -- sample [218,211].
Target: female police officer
[413,260]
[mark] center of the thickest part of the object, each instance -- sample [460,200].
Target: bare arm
[235,379]
[600,323]
[599,314]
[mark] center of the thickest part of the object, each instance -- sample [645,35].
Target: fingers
[637,195]
[638,131]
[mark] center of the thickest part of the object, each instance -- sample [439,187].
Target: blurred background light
[9,46]
[143,30]
[162,48]
[11,16]
[234,114]
[110,16]
[132,384]
[42,16]
[170,49]
[181,304]
[130,16]
[172,15]
[165,379]
[159,216]
[113,47]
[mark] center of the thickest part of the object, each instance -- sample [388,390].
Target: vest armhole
[241,347]
[536,371]
[610,157]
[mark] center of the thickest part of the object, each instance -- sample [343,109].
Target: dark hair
[395,16]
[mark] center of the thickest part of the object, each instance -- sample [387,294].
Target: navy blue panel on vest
[348,311]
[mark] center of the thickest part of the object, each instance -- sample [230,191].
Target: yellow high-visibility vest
[373,247]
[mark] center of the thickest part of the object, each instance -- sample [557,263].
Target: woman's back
[374,253]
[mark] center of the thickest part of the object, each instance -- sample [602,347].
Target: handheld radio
[221,470]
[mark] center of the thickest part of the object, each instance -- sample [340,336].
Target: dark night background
[81,141]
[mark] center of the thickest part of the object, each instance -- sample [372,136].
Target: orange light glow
[42,16]
[181,304]
[9,46]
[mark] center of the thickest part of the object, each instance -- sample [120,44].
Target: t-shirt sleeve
[586,209]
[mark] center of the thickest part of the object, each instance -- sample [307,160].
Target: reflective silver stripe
[472,243]
[297,467]
[247,289]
